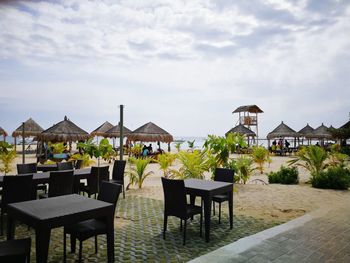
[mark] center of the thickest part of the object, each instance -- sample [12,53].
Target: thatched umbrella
[114,132]
[321,133]
[282,131]
[342,133]
[241,129]
[64,131]
[150,133]
[26,129]
[31,128]
[3,132]
[101,130]
[305,132]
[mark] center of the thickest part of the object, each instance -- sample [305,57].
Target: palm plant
[244,168]
[191,145]
[85,158]
[165,160]
[7,155]
[312,158]
[193,165]
[260,155]
[137,171]
[178,146]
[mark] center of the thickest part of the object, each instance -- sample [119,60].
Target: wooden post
[121,124]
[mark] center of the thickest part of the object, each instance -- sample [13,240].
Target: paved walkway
[320,236]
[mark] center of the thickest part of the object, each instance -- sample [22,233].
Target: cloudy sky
[184,65]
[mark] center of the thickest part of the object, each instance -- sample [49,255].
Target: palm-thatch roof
[114,132]
[321,132]
[248,108]
[102,129]
[282,130]
[150,133]
[307,130]
[345,126]
[241,129]
[64,131]
[31,128]
[3,132]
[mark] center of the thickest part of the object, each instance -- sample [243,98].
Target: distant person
[145,151]
[317,144]
[286,144]
[150,149]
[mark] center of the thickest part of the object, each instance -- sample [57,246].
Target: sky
[184,65]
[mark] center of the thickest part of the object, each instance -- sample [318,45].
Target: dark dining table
[45,214]
[47,167]
[207,189]
[43,178]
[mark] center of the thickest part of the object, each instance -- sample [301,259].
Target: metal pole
[23,146]
[121,125]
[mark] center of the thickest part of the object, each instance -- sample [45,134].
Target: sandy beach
[274,202]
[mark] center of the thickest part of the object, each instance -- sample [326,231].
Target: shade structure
[248,108]
[31,128]
[321,132]
[3,132]
[102,129]
[282,130]
[114,132]
[150,133]
[64,131]
[241,129]
[306,131]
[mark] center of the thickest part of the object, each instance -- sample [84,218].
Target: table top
[40,177]
[206,185]
[57,207]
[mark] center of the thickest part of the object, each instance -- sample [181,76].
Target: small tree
[191,145]
[178,146]
[165,160]
[137,171]
[244,168]
[260,155]
[193,165]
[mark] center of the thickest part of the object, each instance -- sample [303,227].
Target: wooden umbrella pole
[23,146]
[121,124]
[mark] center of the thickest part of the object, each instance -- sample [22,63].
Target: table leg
[230,206]
[110,239]
[10,227]
[207,212]
[42,241]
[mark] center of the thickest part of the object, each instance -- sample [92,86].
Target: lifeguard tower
[248,117]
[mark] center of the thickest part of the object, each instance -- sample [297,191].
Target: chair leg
[165,225]
[64,246]
[72,243]
[180,224]
[96,245]
[219,213]
[201,225]
[1,223]
[80,250]
[185,226]
[213,208]
[123,191]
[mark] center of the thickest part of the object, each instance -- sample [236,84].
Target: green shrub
[333,178]
[286,175]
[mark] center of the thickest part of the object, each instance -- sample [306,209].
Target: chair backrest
[61,183]
[16,189]
[27,168]
[109,192]
[224,175]
[118,170]
[97,175]
[78,164]
[174,197]
[65,166]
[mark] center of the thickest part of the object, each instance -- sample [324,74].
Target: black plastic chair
[109,192]
[222,175]
[60,183]
[65,166]
[15,251]
[175,204]
[15,189]
[78,164]
[97,175]
[30,168]
[118,173]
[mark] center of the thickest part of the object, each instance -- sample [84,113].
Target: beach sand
[272,201]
